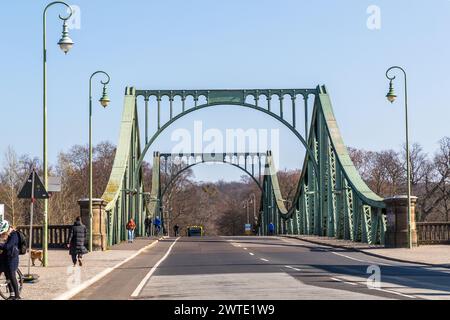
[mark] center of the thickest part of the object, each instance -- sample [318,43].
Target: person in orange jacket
[131,226]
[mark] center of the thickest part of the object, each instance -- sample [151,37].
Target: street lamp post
[245,205]
[253,201]
[391,96]
[104,101]
[65,43]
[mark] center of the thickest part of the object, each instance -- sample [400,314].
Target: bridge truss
[331,199]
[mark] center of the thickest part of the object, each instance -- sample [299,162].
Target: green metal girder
[331,198]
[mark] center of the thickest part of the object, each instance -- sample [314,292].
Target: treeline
[385,174]
[219,206]
[72,167]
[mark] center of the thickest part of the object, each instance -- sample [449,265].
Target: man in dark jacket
[176,230]
[148,226]
[76,242]
[9,248]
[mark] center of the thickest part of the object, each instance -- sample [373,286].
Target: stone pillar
[99,222]
[397,222]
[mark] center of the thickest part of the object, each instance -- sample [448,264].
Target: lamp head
[391,96]
[65,43]
[104,100]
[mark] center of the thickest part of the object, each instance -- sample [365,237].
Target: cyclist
[10,257]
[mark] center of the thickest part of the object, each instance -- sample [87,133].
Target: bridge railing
[57,235]
[433,232]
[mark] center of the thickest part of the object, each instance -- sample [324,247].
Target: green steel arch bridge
[331,198]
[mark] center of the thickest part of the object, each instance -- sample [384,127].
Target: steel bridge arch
[331,198]
[204,106]
[258,183]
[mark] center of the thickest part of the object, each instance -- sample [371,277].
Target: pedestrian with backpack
[131,226]
[9,247]
[76,242]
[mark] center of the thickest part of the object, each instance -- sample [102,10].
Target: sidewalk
[438,255]
[61,276]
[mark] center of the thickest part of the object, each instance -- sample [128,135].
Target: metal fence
[433,232]
[57,235]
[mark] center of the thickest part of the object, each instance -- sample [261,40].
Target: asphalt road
[245,268]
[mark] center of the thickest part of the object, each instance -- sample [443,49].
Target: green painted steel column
[146,120]
[305,97]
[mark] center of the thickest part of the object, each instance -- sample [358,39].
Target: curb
[73,292]
[369,253]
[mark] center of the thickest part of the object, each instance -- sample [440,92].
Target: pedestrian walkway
[61,277]
[437,255]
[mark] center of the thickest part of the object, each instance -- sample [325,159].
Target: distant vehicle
[195,231]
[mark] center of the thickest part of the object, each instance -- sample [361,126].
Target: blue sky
[227,44]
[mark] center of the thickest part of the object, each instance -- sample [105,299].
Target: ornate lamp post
[65,43]
[391,96]
[253,201]
[104,101]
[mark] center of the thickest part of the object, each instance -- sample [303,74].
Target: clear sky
[227,44]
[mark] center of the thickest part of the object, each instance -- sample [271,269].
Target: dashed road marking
[250,253]
[378,289]
[292,268]
[265,260]
[340,280]
[359,260]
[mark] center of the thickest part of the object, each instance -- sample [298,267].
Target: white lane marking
[378,289]
[245,249]
[296,269]
[339,280]
[359,260]
[395,292]
[147,277]
[73,292]
[252,254]
[265,260]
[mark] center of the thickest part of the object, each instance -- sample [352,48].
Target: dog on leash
[37,255]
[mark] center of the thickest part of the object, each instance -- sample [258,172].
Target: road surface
[264,268]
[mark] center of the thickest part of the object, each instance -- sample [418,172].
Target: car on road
[195,231]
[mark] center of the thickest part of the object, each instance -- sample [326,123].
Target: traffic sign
[54,184]
[248,229]
[39,191]
[2,212]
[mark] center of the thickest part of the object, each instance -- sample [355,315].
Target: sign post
[248,229]
[33,189]
[2,212]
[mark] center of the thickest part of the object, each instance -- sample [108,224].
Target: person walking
[9,247]
[157,224]
[176,229]
[131,226]
[271,229]
[148,226]
[76,242]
